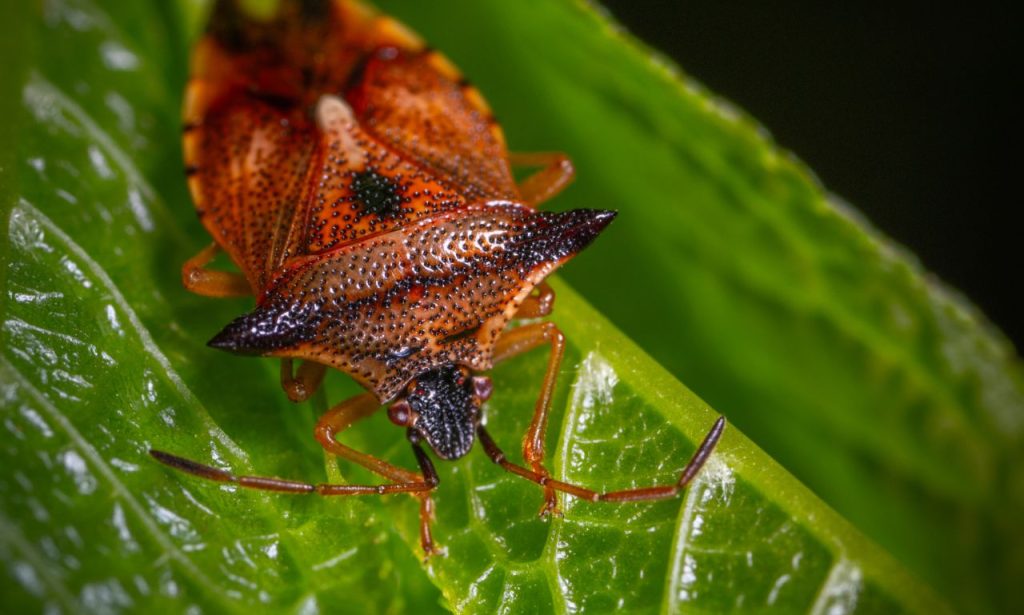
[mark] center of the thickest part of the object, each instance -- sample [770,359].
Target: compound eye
[400,413]
[483,387]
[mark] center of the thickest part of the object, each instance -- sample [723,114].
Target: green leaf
[103,356]
[889,395]
[90,521]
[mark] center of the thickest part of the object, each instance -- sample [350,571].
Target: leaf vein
[148,344]
[10,533]
[83,445]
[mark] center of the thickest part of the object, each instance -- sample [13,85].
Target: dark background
[907,113]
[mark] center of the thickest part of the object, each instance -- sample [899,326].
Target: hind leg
[556,173]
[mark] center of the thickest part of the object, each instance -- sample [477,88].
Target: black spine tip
[268,328]
[225,340]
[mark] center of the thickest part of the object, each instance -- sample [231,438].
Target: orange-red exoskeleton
[365,192]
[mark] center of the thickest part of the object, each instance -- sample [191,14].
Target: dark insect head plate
[443,406]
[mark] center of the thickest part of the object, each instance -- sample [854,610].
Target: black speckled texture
[446,410]
[392,307]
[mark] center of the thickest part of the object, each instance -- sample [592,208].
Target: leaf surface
[884,391]
[103,356]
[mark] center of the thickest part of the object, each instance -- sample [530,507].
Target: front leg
[334,421]
[340,418]
[638,494]
[518,341]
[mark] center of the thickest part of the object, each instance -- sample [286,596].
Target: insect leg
[283,485]
[339,417]
[546,183]
[657,492]
[301,386]
[539,305]
[426,502]
[518,341]
[342,416]
[210,283]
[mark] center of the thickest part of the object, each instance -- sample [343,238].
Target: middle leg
[539,305]
[300,386]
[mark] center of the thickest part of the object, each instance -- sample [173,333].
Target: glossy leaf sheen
[88,390]
[103,356]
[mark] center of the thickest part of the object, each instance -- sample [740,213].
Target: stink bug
[365,192]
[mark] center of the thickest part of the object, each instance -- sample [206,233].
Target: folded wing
[324,125]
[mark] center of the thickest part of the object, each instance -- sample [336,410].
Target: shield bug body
[365,192]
